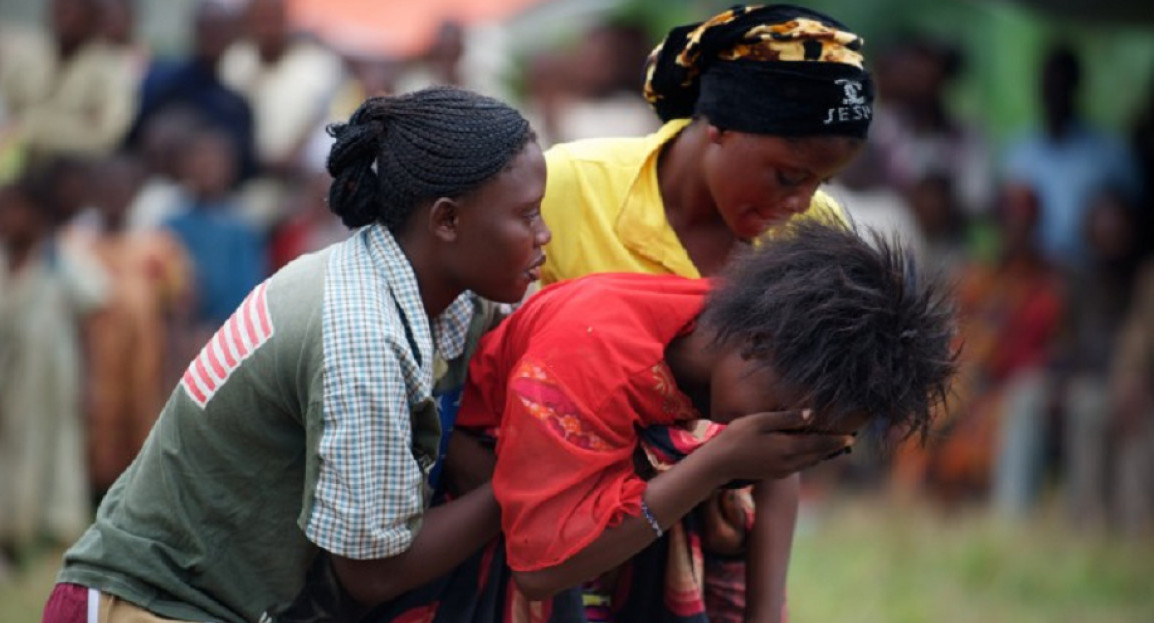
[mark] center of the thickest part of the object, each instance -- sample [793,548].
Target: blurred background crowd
[159,159]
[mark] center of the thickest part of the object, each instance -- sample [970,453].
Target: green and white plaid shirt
[379,360]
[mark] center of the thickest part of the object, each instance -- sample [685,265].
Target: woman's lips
[534,270]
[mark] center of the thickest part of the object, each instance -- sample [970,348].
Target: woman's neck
[689,206]
[691,359]
[688,203]
[437,293]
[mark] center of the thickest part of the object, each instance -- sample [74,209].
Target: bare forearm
[669,496]
[449,534]
[751,448]
[775,502]
[468,463]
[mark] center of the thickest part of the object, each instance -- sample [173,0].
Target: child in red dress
[819,323]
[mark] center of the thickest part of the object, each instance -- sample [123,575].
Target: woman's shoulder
[593,154]
[629,152]
[825,209]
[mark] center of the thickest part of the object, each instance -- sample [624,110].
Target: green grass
[861,561]
[23,591]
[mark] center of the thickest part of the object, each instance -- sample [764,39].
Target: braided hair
[849,325]
[395,153]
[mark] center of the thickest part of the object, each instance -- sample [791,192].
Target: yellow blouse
[603,204]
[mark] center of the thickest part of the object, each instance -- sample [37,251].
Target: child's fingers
[813,448]
[779,421]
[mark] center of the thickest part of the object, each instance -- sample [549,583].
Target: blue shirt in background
[1068,174]
[229,258]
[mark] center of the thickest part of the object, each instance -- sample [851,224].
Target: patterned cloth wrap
[779,70]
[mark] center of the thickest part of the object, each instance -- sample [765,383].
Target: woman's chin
[513,292]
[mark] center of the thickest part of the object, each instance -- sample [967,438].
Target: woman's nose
[544,234]
[795,203]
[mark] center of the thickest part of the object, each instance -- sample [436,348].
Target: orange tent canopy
[391,27]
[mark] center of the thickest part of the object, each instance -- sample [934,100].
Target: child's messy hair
[852,327]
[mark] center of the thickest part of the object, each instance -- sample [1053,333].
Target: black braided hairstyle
[397,152]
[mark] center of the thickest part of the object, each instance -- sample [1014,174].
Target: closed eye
[791,178]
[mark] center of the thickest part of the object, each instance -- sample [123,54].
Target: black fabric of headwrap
[787,98]
[784,98]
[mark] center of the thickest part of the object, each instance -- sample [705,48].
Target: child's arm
[669,496]
[751,448]
[770,542]
[449,534]
[469,463]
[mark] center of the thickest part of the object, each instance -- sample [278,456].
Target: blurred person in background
[1099,296]
[941,221]
[1142,142]
[1132,411]
[734,158]
[118,29]
[127,346]
[1010,311]
[228,257]
[600,86]
[194,84]
[440,63]
[544,91]
[1068,160]
[917,133]
[873,204]
[286,79]
[70,194]
[68,92]
[162,143]
[47,289]
[468,55]
[310,227]
[365,75]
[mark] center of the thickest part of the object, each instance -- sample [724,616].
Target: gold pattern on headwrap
[799,39]
[650,67]
[786,42]
[688,56]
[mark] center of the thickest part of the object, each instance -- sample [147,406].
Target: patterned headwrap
[779,69]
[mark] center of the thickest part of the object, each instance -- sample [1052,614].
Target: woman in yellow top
[761,105]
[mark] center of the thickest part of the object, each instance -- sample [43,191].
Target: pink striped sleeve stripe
[247,329]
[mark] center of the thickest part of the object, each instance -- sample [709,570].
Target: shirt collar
[448,331]
[387,256]
[451,328]
[642,225]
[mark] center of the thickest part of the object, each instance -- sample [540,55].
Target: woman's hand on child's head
[772,445]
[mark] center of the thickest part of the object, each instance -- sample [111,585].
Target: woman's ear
[445,219]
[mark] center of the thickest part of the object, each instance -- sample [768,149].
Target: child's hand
[771,445]
[725,519]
